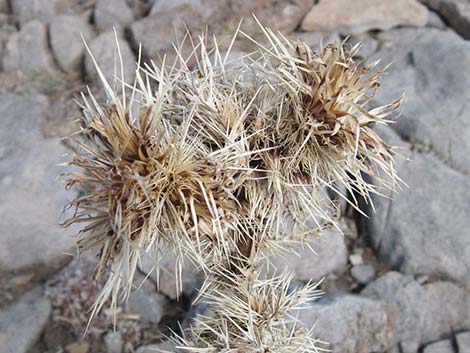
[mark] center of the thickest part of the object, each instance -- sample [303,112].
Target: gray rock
[435,112]
[109,14]
[409,346]
[104,50]
[28,49]
[363,274]
[169,26]
[31,198]
[359,16]
[22,323]
[165,346]
[369,45]
[350,323]
[162,5]
[439,347]
[455,12]
[114,342]
[314,39]
[41,10]
[166,276]
[420,230]
[66,41]
[434,20]
[425,313]
[463,342]
[149,306]
[6,31]
[330,257]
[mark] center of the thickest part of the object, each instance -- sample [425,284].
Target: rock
[439,347]
[369,45]
[66,41]
[425,313]
[356,259]
[314,39]
[78,347]
[28,49]
[166,277]
[330,256]
[409,346]
[435,21]
[104,50]
[6,31]
[149,306]
[420,230]
[349,17]
[463,342]
[435,111]
[455,12]
[22,323]
[363,274]
[113,342]
[350,323]
[4,8]
[31,198]
[165,346]
[165,5]
[284,16]
[169,22]
[109,14]
[167,28]
[41,10]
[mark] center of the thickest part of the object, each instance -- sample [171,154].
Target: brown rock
[352,17]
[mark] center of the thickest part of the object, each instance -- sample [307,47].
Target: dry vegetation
[212,161]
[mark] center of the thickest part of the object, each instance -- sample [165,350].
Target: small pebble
[356,259]
[113,341]
[363,274]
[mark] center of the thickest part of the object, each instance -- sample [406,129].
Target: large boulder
[431,67]
[425,312]
[455,12]
[21,324]
[65,34]
[352,17]
[420,230]
[28,49]
[350,323]
[31,198]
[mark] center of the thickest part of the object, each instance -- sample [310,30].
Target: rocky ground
[398,281]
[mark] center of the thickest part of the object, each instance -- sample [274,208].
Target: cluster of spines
[212,161]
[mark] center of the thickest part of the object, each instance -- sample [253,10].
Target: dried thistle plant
[212,161]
